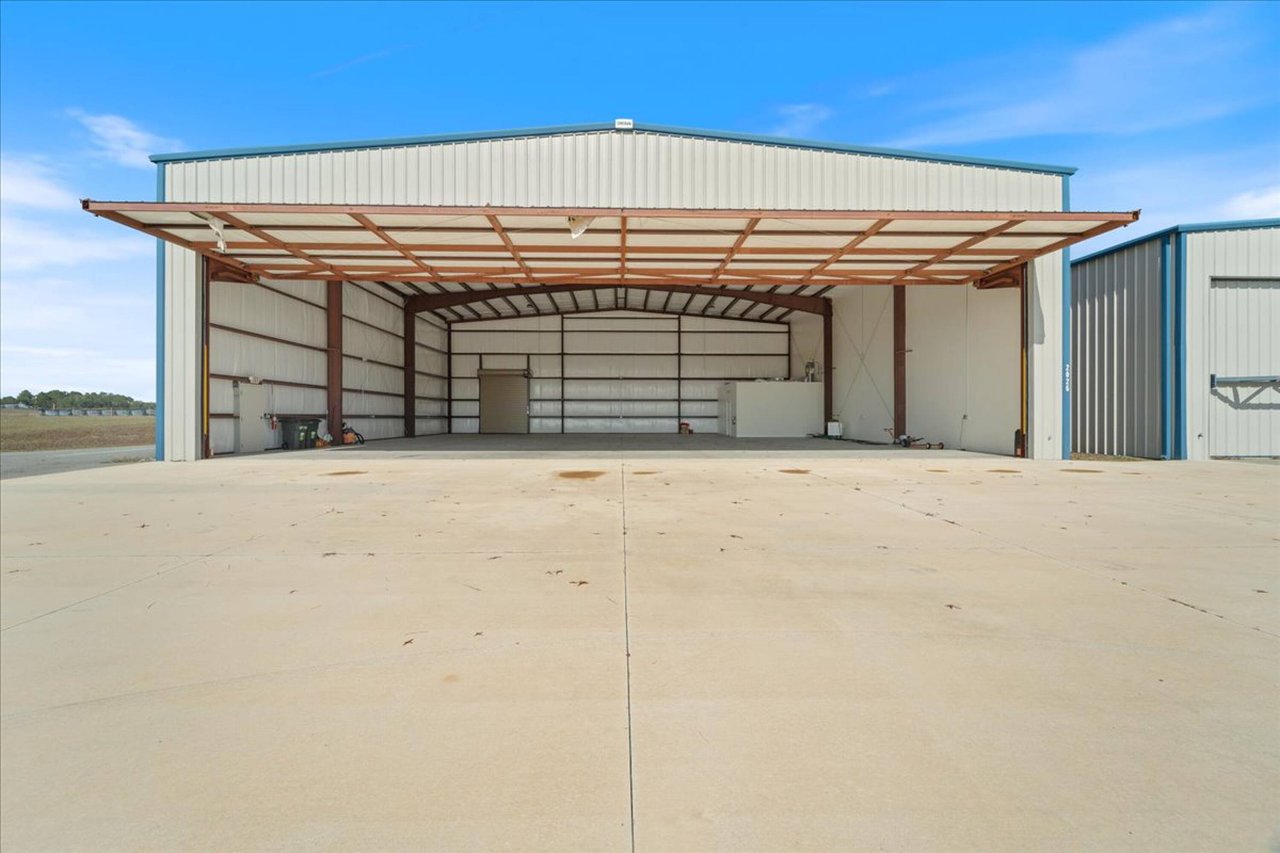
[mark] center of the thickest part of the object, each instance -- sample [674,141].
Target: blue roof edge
[1192,228]
[782,141]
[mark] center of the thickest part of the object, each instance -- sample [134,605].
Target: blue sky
[1170,107]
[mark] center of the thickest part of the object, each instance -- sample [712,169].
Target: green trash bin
[299,433]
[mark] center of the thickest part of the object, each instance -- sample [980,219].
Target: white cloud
[800,119]
[30,183]
[1238,183]
[31,245]
[1254,204]
[121,141]
[1173,73]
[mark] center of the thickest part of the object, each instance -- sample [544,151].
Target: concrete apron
[357,650]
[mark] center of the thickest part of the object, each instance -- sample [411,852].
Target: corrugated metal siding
[431,363]
[182,356]
[610,169]
[1116,361]
[1253,253]
[372,362]
[619,370]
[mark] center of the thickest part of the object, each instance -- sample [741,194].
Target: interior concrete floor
[359,649]
[624,446]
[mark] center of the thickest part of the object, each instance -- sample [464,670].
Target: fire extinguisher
[275,423]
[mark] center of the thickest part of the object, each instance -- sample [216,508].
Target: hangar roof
[611,127]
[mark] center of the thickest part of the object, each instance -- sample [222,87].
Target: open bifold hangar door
[797,251]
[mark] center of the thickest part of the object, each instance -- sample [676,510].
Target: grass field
[27,430]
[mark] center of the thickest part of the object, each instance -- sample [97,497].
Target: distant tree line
[56,399]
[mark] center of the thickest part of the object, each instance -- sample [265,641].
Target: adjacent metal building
[624,270]
[1176,344]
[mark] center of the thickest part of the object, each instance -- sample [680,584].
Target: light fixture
[217,225]
[578,225]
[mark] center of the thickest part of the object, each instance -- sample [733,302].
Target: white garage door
[1244,353]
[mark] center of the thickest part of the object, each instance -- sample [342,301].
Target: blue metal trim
[160,326]
[1119,247]
[1241,225]
[1066,331]
[1237,225]
[1180,351]
[600,127]
[1166,348]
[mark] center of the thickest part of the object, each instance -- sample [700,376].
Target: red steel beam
[899,361]
[410,381]
[333,357]
[434,301]
[828,369]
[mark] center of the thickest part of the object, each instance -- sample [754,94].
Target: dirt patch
[127,460]
[344,473]
[1003,471]
[936,470]
[579,475]
[794,470]
[642,473]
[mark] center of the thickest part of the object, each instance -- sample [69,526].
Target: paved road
[29,464]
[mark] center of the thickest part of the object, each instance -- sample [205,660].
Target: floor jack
[916,442]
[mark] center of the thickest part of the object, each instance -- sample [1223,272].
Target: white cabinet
[770,409]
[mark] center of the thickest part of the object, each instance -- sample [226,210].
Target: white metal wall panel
[963,377]
[862,352]
[1238,254]
[431,405]
[182,354]
[806,342]
[1244,340]
[287,310]
[1116,359]
[612,169]
[372,362]
[1048,377]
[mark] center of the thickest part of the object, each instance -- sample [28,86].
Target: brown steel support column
[828,346]
[333,355]
[899,360]
[410,373]
[206,448]
[1020,440]
[448,378]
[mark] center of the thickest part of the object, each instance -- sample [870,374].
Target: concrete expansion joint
[626,634]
